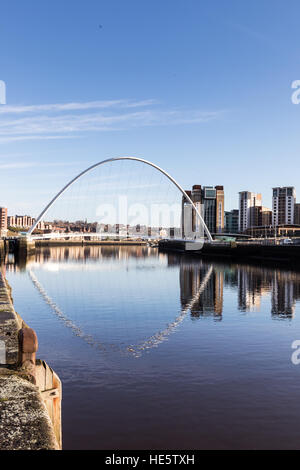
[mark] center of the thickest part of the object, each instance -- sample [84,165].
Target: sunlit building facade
[3,221]
[284,200]
[248,213]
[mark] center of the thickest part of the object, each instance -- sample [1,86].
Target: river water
[162,351]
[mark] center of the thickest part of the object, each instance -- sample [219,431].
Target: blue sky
[202,88]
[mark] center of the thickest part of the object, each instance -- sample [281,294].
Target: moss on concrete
[24,420]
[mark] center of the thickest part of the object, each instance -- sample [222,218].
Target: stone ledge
[10,323]
[24,421]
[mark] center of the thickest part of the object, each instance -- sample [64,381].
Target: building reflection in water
[78,253]
[252,283]
[285,293]
[191,274]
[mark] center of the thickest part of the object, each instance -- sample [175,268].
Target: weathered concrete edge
[10,322]
[25,423]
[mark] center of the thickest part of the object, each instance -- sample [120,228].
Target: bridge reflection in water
[166,349]
[201,283]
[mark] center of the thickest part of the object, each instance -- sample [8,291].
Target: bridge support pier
[181,246]
[2,249]
[25,247]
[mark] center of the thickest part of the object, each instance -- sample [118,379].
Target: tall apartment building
[284,200]
[212,201]
[3,221]
[187,222]
[220,213]
[297,214]
[248,212]
[232,221]
[196,196]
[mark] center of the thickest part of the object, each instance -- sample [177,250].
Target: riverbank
[239,251]
[29,420]
[41,243]
[253,251]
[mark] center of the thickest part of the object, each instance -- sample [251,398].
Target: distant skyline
[203,89]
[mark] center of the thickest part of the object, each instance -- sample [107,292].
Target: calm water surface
[165,351]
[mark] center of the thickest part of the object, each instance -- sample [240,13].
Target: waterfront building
[261,216]
[264,216]
[20,221]
[297,214]
[232,221]
[209,202]
[196,196]
[266,231]
[187,217]
[220,212]
[212,200]
[248,213]
[25,222]
[3,221]
[284,200]
[213,208]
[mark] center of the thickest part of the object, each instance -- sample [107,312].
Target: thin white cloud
[4,140]
[13,166]
[13,155]
[18,165]
[99,122]
[79,106]
[69,120]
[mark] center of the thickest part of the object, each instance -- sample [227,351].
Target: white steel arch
[146,162]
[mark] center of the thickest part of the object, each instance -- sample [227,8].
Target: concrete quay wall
[288,253]
[41,243]
[30,391]
[238,251]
